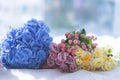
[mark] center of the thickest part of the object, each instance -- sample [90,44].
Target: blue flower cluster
[26,47]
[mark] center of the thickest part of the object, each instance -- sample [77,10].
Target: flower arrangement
[26,47]
[32,47]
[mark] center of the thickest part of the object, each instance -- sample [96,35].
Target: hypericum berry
[75,41]
[82,35]
[70,41]
[63,40]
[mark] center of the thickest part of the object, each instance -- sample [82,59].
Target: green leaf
[89,41]
[82,31]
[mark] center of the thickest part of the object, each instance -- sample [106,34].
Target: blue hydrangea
[26,47]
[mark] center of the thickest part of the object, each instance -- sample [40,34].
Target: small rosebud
[94,44]
[88,37]
[63,45]
[73,47]
[69,50]
[73,52]
[70,41]
[69,36]
[63,49]
[95,38]
[66,34]
[92,37]
[82,43]
[77,32]
[63,40]
[78,42]
[68,46]
[76,37]
[59,45]
[84,47]
[75,41]
[82,35]
[77,47]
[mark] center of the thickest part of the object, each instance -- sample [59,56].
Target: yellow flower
[81,67]
[98,52]
[93,68]
[78,62]
[110,59]
[87,57]
[87,68]
[108,50]
[112,62]
[107,66]
[97,62]
[105,57]
[85,63]
[79,52]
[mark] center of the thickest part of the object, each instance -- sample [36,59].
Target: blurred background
[101,17]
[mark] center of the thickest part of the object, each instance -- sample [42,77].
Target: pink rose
[58,62]
[53,55]
[64,67]
[82,35]
[88,37]
[72,68]
[69,36]
[70,41]
[62,45]
[63,40]
[69,60]
[75,41]
[73,52]
[54,48]
[50,62]
[63,49]
[66,34]
[95,38]
[69,50]
[77,47]
[62,56]
[72,34]
[84,47]
[73,47]
[94,44]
